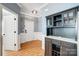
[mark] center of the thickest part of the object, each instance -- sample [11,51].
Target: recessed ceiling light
[34,11]
[46,9]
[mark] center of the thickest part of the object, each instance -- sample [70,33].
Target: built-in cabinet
[62,19]
[61,23]
[55,47]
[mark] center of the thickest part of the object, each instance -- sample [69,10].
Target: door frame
[16,14]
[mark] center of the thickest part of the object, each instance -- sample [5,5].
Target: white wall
[52,8]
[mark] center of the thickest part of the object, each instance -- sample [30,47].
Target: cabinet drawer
[68,49]
[57,42]
[68,45]
[68,52]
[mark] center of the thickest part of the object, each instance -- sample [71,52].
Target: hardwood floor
[31,48]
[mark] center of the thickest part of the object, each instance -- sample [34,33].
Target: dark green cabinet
[48,47]
[63,24]
[55,47]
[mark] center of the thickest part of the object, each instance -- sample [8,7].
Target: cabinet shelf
[63,27]
[57,27]
[57,20]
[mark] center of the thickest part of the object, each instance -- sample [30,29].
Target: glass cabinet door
[71,15]
[69,18]
[49,22]
[65,16]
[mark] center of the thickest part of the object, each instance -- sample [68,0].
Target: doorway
[9,31]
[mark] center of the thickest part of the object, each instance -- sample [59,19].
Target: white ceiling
[31,6]
[27,8]
[44,8]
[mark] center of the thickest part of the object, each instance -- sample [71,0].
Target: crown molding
[43,6]
[20,5]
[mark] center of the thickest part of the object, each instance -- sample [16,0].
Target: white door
[77,27]
[29,26]
[9,31]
